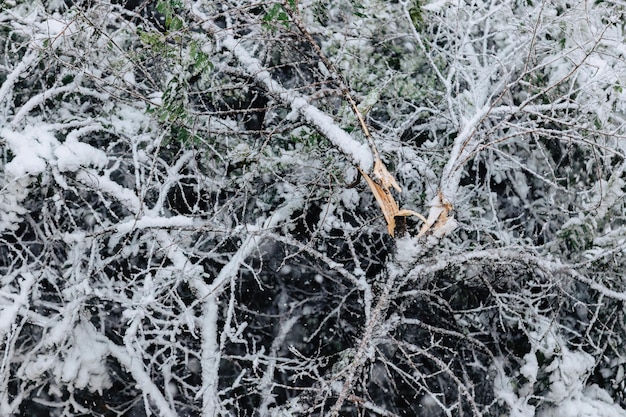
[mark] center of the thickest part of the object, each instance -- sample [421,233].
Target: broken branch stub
[382,193]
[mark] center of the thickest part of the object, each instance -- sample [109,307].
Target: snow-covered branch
[358,153]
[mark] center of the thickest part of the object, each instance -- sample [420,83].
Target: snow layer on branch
[72,156]
[358,152]
[124,195]
[147,222]
[84,365]
[35,147]
[592,401]
[562,379]
[10,304]
[129,120]
[31,149]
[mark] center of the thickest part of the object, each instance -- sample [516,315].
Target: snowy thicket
[196,195]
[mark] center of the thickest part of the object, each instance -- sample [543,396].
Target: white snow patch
[408,251]
[435,6]
[31,149]
[71,156]
[12,303]
[132,120]
[84,364]
[504,390]
[593,401]
[35,368]
[106,185]
[55,27]
[350,197]
[129,77]
[156,98]
[530,368]
[151,222]
[35,147]
[568,372]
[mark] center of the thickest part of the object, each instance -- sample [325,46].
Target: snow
[358,152]
[59,331]
[147,222]
[530,368]
[129,120]
[592,401]
[552,379]
[133,363]
[14,303]
[568,373]
[108,186]
[435,6]
[71,156]
[156,98]
[39,99]
[464,144]
[31,148]
[35,147]
[35,150]
[34,369]
[55,27]
[408,251]
[28,60]
[83,364]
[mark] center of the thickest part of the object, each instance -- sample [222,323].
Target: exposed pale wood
[387,203]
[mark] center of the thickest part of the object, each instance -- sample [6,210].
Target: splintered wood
[384,197]
[381,188]
[439,221]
